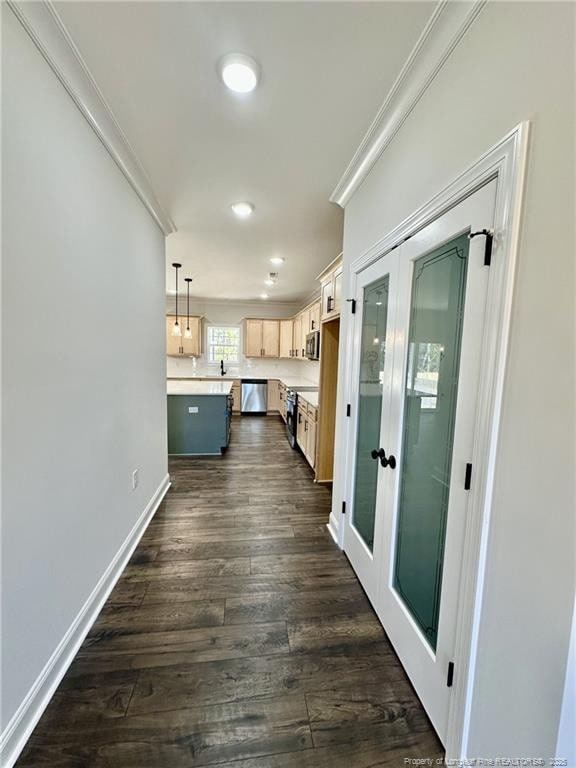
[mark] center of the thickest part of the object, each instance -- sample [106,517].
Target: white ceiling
[326,69]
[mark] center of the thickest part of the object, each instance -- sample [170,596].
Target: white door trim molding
[505,162]
[17,732]
[445,29]
[50,36]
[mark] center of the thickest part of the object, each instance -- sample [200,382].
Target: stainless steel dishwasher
[254,396]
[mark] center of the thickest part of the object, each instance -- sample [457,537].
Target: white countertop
[288,381]
[293,382]
[215,376]
[191,387]
[310,397]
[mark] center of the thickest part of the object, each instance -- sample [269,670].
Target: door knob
[385,461]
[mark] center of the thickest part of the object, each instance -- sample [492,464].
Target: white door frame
[506,162]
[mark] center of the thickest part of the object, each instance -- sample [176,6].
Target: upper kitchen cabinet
[253,338]
[331,290]
[182,345]
[315,317]
[286,338]
[304,331]
[297,333]
[261,338]
[271,338]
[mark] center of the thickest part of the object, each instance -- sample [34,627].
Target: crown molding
[48,33]
[446,27]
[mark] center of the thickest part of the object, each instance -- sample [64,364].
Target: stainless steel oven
[313,345]
[291,416]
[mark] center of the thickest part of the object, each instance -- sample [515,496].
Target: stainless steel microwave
[313,345]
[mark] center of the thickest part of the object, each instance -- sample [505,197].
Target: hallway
[238,635]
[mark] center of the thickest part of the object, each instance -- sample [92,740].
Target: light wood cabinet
[286,337]
[306,431]
[173,343]
[181,345]
[310,452]
[327,297]
[315,317]
[261,338]
[304,331]
[297,332]
[331,290]
[301,432]
[253,338]
[270,338]
[236,395]
[338,291]
[273,396]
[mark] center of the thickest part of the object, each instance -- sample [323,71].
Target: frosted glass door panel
[437,309]
[372,356]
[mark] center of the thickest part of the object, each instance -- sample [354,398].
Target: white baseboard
[18,730]
[333,529]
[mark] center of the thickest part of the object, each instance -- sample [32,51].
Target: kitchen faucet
[222,371]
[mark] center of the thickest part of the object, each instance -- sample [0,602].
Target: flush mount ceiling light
[277,260]
[239,73]
[243,210]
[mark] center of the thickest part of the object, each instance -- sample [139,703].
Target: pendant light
[176,331]
[188,332]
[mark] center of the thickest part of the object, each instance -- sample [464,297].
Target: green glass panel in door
[372,354]
[437,309]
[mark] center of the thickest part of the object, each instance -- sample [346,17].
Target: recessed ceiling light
[263,295]
[277,260]
[243,210]
[269,282]
[239,73]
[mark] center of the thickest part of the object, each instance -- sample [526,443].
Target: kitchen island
[199,417]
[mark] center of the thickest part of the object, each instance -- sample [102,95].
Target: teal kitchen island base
[199,417]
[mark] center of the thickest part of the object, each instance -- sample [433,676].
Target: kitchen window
[223,343]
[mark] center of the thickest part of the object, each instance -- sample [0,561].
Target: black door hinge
[352,305]
[348,408]
[488,247]
[450,675]
[468,477]
[343,507]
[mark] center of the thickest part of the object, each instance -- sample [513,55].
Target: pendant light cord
[176,295]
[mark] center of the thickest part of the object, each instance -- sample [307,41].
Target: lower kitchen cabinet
[198,424]
[310,451]
[306,432]
[273,396]
[236,395]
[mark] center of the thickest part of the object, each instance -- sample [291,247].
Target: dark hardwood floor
[238,635]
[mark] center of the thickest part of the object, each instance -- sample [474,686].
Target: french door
[418,348]
[377,290]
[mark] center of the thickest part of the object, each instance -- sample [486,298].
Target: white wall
[83,389]
[232,313]
[515,63]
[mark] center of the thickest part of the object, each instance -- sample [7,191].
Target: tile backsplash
[267,369]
